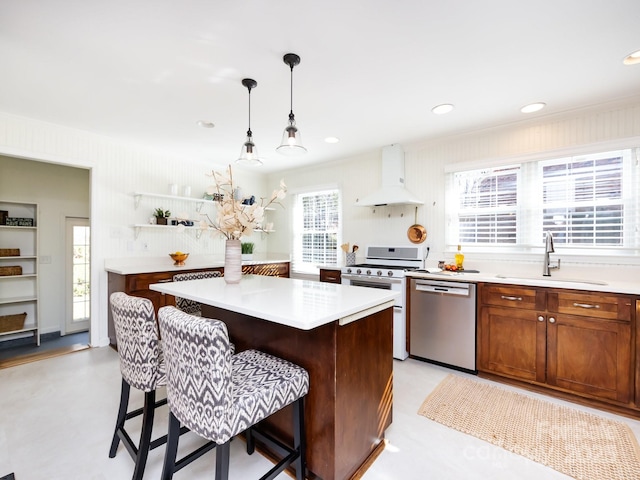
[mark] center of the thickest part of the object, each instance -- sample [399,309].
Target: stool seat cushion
[262,385]
[214,393]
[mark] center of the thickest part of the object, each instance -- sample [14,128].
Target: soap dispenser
[459,259]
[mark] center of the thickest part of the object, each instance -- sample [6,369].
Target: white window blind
[588,201]
[487,205]
[317,225]
[583,200]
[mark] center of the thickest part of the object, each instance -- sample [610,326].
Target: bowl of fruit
[179,258]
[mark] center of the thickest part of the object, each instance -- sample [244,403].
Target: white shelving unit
[19,293]
[200,202]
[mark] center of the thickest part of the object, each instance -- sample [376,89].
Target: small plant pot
[161,220]
[247,256]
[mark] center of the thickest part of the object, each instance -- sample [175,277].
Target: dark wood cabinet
[589,344]
[330,275]
[571,341]
[281,269]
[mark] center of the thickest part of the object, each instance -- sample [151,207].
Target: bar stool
[190,306]
[142,367]
[218,395]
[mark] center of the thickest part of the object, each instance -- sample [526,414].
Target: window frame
[530,232]
[298,265]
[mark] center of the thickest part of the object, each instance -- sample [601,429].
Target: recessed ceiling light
[632,58]
[442,109]
[205,124]
[533,107]
[332,139]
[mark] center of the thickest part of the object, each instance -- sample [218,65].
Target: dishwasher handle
[462,290]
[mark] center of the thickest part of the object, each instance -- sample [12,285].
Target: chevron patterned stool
[190,306]
[142,367]
[219,395]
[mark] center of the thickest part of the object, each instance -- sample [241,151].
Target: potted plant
[161,216]
[247,250]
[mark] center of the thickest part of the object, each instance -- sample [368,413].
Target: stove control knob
[368,272]
[348,270]
[390,273]
[379,272]
[358,271]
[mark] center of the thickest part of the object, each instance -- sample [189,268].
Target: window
[585,201]
[317,229]
[488,205]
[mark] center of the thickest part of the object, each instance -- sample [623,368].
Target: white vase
[232,261]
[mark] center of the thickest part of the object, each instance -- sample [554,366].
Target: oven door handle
[367,278]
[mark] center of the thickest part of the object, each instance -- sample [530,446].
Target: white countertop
[302,304]
[595,281]
[135,265]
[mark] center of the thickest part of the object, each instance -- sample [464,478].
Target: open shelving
[19,293]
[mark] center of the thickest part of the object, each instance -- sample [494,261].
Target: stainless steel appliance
[385,268]
[443,323]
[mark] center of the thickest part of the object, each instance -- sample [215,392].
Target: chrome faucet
[548,248]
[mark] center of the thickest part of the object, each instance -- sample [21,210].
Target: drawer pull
[166,280]
[513,299]
[585,305]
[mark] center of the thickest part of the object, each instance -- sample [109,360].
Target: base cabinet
[330,275]
[590,356]
[575,342]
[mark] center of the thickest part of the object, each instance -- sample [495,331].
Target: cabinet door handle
[552,320]
[514,299]
[166,280]
[585,305]
[540,318]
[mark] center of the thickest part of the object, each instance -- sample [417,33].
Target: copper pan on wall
[416,232]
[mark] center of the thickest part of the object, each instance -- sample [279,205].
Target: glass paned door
[78,275]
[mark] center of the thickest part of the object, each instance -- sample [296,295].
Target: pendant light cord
[291,92]
[249,131]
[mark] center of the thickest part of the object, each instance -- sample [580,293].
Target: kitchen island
[341,335]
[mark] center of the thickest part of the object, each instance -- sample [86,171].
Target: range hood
[392,191]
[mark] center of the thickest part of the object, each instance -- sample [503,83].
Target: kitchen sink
[551,279]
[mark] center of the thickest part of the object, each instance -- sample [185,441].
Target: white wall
[118,170]
[60,192]
[614,125]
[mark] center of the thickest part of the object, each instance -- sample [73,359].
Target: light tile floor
[57,416]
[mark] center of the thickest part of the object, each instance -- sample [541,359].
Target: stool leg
[251,442]
[122,413]
[222,461]
[299,440]
[168,468]
[145,435]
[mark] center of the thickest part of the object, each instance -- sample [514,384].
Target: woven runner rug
[579,444]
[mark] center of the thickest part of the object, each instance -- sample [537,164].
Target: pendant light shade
[291,143]
[249,152]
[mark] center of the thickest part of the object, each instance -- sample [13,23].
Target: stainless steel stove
[385,268]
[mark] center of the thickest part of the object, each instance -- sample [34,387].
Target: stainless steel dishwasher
[443,323]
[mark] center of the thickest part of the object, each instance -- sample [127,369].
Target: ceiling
[145,71]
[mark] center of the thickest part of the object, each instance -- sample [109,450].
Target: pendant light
[249,152]
[291,142]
